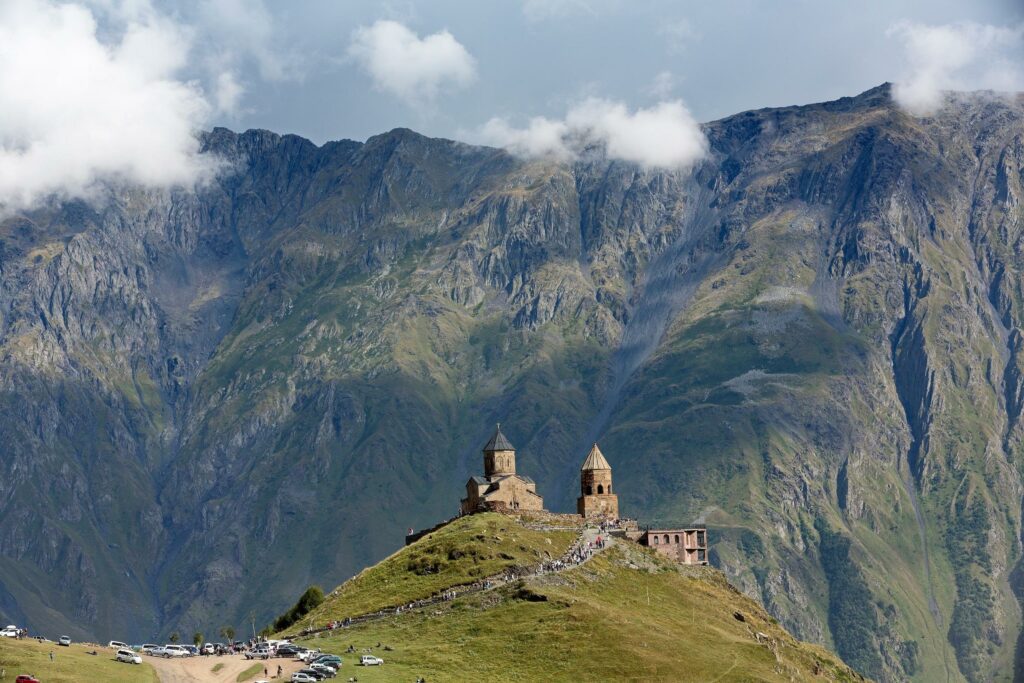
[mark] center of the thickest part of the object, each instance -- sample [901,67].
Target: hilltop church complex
[502,489]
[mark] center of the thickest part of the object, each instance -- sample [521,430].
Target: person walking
[279,670]
[51,655]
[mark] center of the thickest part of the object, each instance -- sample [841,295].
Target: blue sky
[722,57]
[94,92]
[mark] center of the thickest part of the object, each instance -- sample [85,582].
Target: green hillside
[70,664]
[626,614]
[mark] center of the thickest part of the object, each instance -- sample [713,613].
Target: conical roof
[498,442]
[595,460]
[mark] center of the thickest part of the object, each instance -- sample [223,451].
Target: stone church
[503,489]
[500,488]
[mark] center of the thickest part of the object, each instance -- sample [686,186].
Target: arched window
[655,540]
[677,538]
[666,538]
[590,489]
[600,489]
[609,489]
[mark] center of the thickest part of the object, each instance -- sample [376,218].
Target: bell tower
[596,496]
[499,455]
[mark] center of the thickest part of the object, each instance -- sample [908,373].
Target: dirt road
[201,669]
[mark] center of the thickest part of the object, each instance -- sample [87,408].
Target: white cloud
[77,110]
[965,56]
[413,69]
[541,137]
[662,85]
[228,92]
[244,29]
[662,136]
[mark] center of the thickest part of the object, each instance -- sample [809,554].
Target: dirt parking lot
[201,669]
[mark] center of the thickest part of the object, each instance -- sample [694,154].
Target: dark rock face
[811,341]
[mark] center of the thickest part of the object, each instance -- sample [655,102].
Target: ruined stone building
[687,546]
[500,488]
[596,496]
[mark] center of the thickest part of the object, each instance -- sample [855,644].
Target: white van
[117,645]
[128,657]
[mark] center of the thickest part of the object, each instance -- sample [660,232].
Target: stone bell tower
[499,455]
[596,496]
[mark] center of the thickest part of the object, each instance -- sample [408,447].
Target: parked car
[318,675]
[26,678]
[259,653]
[128,656]
[208,649]
[9,631]
[65,641]
[148,648]
[297,677]
[370,660]
[117,645]
[174,651]
[327,669]
[324,657]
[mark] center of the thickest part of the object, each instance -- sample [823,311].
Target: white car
[10,631]
[208,649]
[370,660]
[299,677]
[128,657]
[117,645]
[174,651]
[65,641]
[150,648]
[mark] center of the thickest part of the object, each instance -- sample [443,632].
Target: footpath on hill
[591,540]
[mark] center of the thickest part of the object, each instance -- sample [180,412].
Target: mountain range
[811,342]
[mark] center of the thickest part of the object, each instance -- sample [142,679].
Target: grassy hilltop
[627,614]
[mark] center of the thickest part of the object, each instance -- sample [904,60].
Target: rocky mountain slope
[812,341]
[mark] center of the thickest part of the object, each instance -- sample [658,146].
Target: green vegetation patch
[70,664]
[460,553]
[251,672]
[625,615]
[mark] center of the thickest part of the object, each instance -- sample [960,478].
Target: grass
[217,667]
[625,615]
[468,549]
[251,672]
[70,664]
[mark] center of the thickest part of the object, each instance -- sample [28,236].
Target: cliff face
[812,341]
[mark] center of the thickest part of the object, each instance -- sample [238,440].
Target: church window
[600,489]
[666,538]
[609,489]
[655,540]
[590,490]
[677,538]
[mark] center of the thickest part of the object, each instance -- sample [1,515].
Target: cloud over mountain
[964,56]
[411,68]
[79,106]
[663,136]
